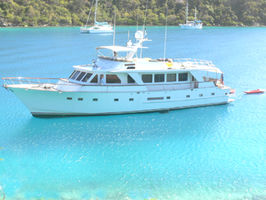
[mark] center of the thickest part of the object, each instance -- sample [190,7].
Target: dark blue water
[215,152]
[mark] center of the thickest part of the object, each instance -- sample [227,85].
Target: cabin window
[193,78]
[95,79]
[116,99]
[201,95]
[75,75]
[69,98]
[213,93]
[86,78]
[72,74]
[81,76]
[147,78]
[94,99]
[112,79]
[171,77]
[168,97]
[80,99]
[183,77]
[158,78]
[130,79]
[131,99]
[188,96]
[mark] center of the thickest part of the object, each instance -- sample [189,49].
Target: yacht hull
[189,26]
[96,31]
[45,103]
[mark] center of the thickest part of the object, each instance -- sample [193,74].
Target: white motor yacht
[121,82]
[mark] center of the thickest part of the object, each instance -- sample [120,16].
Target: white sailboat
[196,24]
[99,27]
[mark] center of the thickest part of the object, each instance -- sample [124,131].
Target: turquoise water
[215,152]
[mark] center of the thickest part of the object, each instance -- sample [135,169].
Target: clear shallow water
[215,152]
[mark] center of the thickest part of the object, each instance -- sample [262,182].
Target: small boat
[99,27]
[195,24]
[257,91]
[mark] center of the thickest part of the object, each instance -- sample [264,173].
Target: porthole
[116,99]
[95,99]
[213,93]
[168,97]
[80,99]
[201,95]
[188,96]
[131,99]
[69,98]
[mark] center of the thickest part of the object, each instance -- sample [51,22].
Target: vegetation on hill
[131,12]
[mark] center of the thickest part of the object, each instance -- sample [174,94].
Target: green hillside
[131,12]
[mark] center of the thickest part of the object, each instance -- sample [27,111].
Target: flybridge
[130,50]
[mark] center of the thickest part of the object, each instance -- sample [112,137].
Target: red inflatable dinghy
[257,91]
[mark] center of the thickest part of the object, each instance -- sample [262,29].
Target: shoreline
[130,26]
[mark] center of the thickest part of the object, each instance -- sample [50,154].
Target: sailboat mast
[195,14]
[95,13]
[187,12]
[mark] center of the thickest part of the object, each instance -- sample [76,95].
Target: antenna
[137,21]
[114,30]
[165,30]
[144,24]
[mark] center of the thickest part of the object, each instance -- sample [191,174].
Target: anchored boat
[195,24]
[99,27]
[257,91]
[121,82]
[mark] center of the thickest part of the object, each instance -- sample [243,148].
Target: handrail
[33,80]
[194,61]
[39,81]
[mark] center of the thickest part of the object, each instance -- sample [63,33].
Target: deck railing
[49,83]
[32,80]
[194,62]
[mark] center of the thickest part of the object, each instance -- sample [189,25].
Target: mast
[114,30]
[165,30]
[195,14]
[95,13]
[187,12]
